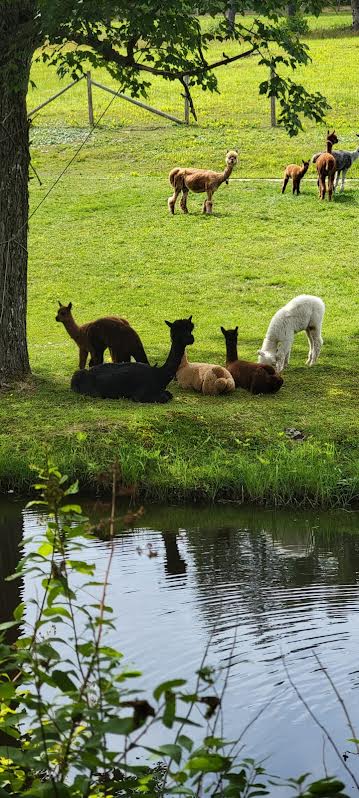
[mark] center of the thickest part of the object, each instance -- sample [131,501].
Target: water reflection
[261,585]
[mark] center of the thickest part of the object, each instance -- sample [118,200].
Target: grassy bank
[104,240]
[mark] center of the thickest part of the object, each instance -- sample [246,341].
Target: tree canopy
[138,39]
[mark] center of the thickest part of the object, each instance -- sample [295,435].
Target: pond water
[260,585]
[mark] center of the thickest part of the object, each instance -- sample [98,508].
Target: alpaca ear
[60,303]
[236,329]
[169,323]
[223,330]
[69,306]
[189,318]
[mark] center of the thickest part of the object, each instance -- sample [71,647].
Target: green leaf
[172,750]
[119,726]
[170,709]
[162,688]
[50,611]
[19,611]
[45,549]
[71,508]
[63,681]
[208,763]
[185,742]
[7,690]
[326,787]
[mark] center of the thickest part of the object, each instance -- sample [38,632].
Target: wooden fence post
[273,120]
[89,98]
[186,103]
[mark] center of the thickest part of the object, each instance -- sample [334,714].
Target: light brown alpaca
[199,180]
[206,378]
[296,173]
[109,332]
[326,167]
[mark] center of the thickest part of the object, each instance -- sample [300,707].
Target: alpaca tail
[172,175]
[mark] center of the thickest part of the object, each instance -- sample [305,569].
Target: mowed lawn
[103,239]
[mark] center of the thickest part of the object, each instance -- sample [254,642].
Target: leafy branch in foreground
[71,713]
[138,41]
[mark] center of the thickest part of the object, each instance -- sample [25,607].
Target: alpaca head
[332,137]
[305,165]
[181,331]
[231,158]
[231,336]
[64,312]
[266,358]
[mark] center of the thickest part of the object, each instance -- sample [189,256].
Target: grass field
[103,239]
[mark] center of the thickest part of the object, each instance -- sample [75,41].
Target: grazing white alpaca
[304,312]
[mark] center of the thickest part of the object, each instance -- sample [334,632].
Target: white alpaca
[304,312]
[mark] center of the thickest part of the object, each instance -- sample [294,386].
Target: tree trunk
[231,15]
[292,8]
[355,12]
[17,44]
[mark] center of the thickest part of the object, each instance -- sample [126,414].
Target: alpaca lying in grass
[199,180]
[206,378]
[109,332]
[253,377]
[296,173]
[137,381]
[304,312]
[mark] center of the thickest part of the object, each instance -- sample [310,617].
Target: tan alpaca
[199,180]
[206,378]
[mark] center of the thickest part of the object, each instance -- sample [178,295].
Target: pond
[260,586]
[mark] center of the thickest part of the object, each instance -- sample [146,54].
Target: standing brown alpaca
[254,377]
[326,167]
[109,332]
[296,173]
[199,180]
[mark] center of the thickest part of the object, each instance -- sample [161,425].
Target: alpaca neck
[72,328]
[303,170]
[355,155]
[170,367]
[232,352]
[329,145]
[227,172]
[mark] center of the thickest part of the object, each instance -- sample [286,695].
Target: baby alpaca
[206,378]
[304,312]
[253,377]
[109,332]
[296,173]
[199,180]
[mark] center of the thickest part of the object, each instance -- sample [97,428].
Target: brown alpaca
[326,167]
[109,332]
[296,173]
[206,378]
[199,180]
[254,377]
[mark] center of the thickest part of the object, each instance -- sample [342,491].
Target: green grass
[104,239]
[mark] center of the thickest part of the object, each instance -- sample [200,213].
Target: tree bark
[17,44]
[355,12]
[231,15]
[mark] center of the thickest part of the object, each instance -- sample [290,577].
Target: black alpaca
[137,381]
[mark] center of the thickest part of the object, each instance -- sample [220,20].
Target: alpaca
[254,377]
[206,378]
[304,312]
[199,180]
[326,166]
[296,173]
[137,381]
[344,160]
[109,332]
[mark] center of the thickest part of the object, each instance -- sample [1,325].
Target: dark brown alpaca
[109,332]
[296,173]
[254,377]
[326,167]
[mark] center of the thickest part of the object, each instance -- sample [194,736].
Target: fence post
[273,120]
[186,103]
[89,98]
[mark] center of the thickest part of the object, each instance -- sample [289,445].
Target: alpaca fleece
[206,378]
[304,312]
[253,377]
[326,167]
[109,332]
[296,173]
[137,381]
[198,181]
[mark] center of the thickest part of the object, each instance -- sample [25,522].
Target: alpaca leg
[83,358]
[284,186]
[183,203]
[209,203]
[344,174]
[204,207]
[337,175]
[96,355]
[316,341]
[310,341]
[294,187]
[330,186]
[172,200]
